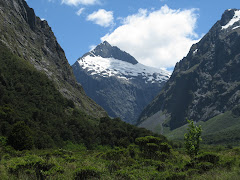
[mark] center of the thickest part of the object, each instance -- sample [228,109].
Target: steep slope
[27,95]
[117,82]
[204,84]
[32,39]
[30,99]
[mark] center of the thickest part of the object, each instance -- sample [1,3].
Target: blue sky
[156,32]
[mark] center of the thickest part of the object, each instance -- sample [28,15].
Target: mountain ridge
[205,83]
[29,37]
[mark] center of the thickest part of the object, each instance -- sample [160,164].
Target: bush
[161,167]
[132,150]
[208,157]
[192,172]
[34,165]
[124,175]
[204,166]
[166,148]
[162,156]
[115,154]
[112,167]
[177,176]
[151,147]
[87,173]
[228,163]
[21,136]
[3,141]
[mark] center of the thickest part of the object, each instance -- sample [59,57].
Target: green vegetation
[150,158]
[192,139]
[222,129]
[33,114]
[21,136]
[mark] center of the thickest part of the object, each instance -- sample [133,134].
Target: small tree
[192,139]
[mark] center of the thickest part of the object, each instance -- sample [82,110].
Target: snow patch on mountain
[236,27]
[107,67]
[194,52]
[235,18]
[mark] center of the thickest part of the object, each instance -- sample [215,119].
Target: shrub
[204,166]
[151,147]
[143,141]
[132,150]
[166,148]
[87,173]
[228,163]
[112,167]
[192,172]
[162,156]
[161,167]
[208,157]
[177,176]
[124,175]
[115,154]
[21,136]
[3,141]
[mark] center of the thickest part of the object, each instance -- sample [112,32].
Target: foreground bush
[87,173]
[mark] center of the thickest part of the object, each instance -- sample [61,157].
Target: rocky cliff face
[205,83]
[29,37]
[117,82]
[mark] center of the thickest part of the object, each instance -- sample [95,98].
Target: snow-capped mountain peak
[106,61]
[118,82]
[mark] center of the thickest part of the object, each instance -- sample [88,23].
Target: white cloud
[101,17]
[78,2]
[158,38]
[80,11]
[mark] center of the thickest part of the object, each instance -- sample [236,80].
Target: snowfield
[106,67]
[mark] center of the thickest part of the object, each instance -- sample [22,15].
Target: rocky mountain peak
[229,18]
[106,50]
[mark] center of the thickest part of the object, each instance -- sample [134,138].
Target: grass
[222,129]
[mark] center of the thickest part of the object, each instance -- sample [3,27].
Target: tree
[21,136]
[192,139]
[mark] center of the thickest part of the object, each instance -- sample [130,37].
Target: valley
[108,116]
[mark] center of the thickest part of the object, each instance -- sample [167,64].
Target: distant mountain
[31,38]
[204,84]
[117,82]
